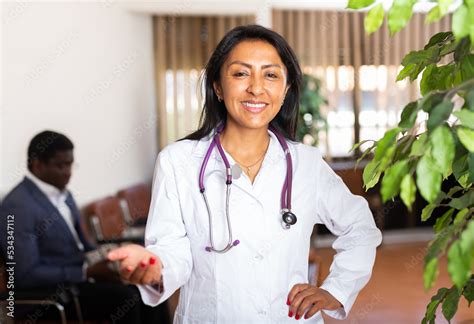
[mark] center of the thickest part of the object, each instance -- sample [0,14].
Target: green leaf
[434,15]
[468,292]
[454,190]
[366,152]
[403,147]
[443,221]
[399,14]
[430,273]
[467,67]
[436,78]
[384,144]
[422,57]
[419,146]
[371,174]
[439,244]
[408,191]
[439,38]
[463,180]
[470,162]
[427,211]
[358,4]
[433,305]
[458,268]
[471,14]
[470,100]
[466,117]
[450,303]
[374,18]
[448,48]
[391,179]
[439,114]
[408,70]
[424,85]
[386,159]
[428,178]
[460,218]
[462,49]
[415,61]
[460,23]
[409,114]
[466,200]
[357,145]
[431,100]
[442,149]
[466,136]
[460,167]
[467,240]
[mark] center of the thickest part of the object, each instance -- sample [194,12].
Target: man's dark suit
[46,252]
[46,255]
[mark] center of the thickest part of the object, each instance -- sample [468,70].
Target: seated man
[49,244]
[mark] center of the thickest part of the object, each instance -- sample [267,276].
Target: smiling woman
[252,84]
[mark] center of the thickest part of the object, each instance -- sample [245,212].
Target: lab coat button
[262,312]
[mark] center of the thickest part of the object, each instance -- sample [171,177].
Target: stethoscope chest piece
[288,219]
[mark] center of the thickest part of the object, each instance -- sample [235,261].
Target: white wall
[86,70]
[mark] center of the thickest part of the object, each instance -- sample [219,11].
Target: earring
[219,98]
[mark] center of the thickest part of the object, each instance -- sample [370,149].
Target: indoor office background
[121,79]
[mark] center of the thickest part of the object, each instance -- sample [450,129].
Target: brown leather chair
[136,203]
[106,221]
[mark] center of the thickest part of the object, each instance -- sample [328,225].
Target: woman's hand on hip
[137,265]
[307,300]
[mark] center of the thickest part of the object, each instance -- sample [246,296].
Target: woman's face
[253,84]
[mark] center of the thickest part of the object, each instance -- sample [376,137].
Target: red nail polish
[288,301]
[290,314]
[142,264]
[152,260]
[306,316]
[129,269]
[297,317]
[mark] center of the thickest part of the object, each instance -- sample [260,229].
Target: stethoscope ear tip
[236,242]
[208,249]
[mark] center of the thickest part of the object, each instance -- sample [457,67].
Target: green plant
[420,156]
[310,119]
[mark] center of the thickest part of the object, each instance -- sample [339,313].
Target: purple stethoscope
[288,218]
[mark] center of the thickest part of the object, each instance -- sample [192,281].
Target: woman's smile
[253,84]
[254,106]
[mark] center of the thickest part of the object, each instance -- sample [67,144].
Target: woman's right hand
[137,265]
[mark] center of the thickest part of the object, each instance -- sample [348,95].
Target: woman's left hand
[307,300]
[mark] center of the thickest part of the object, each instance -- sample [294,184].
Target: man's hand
[307,300]
[137,264]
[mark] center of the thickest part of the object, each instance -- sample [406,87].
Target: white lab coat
[250,283]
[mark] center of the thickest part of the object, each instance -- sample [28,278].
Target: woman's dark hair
[45,145]
[214,112]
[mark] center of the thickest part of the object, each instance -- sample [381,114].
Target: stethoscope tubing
[285,200]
